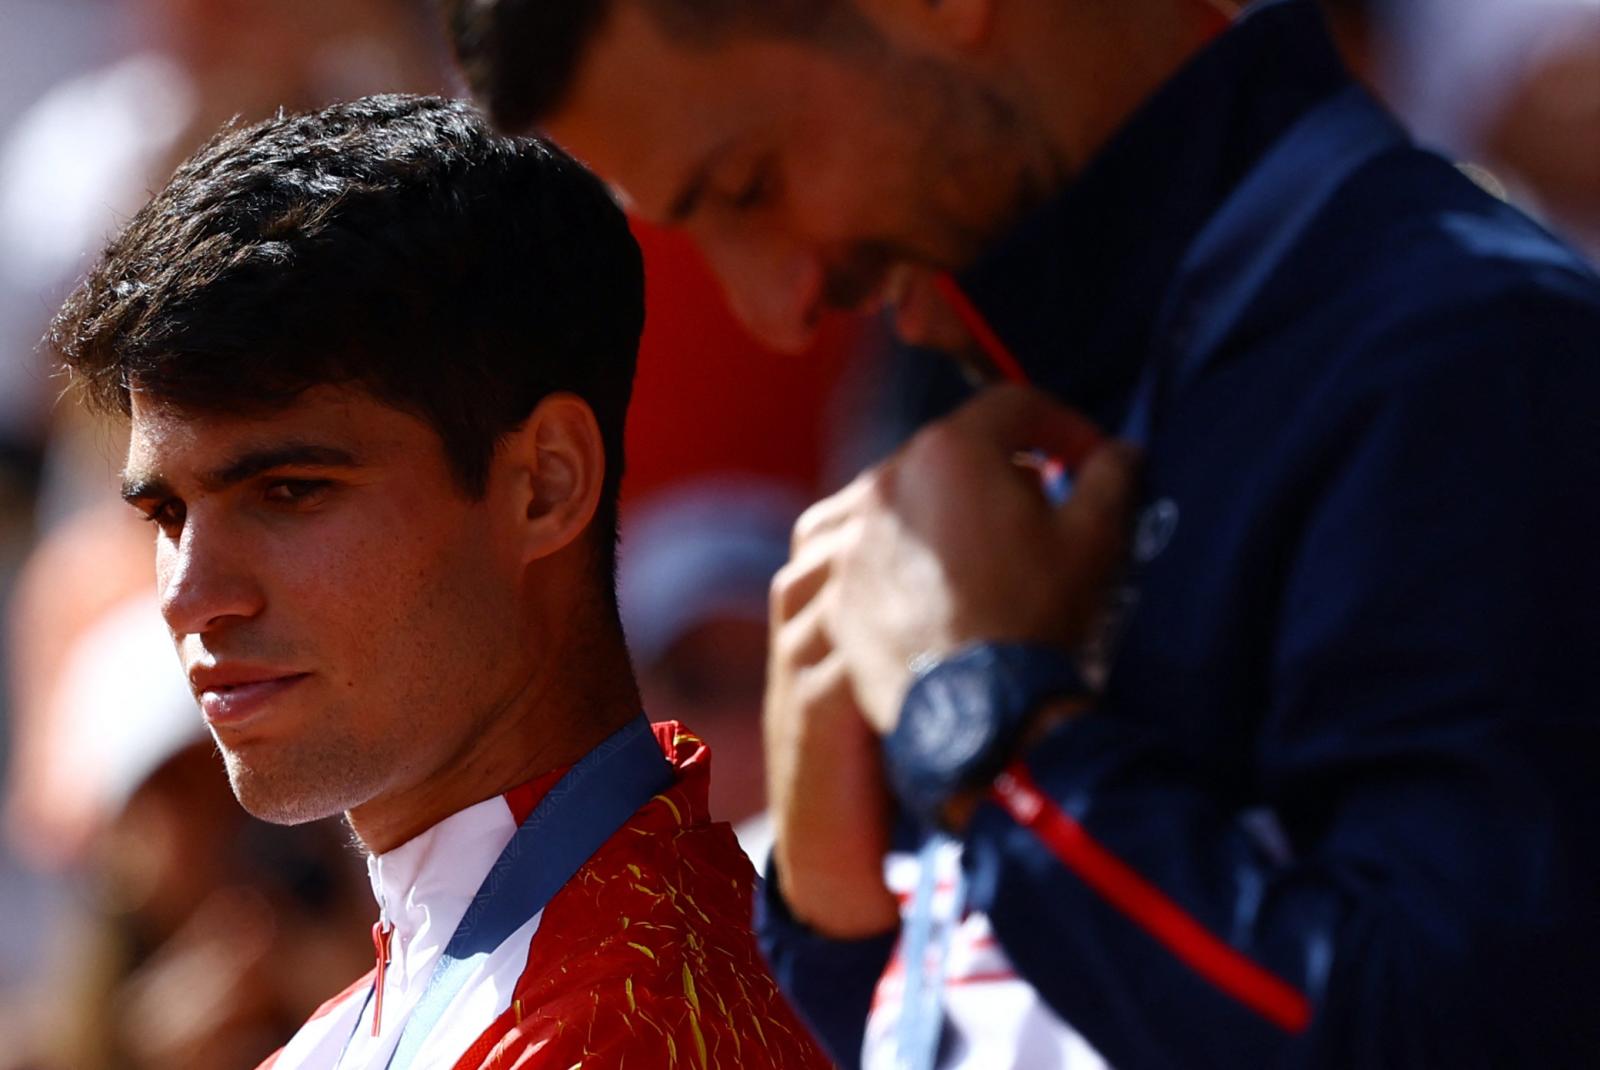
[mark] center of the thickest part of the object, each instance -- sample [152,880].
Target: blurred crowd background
[145,921]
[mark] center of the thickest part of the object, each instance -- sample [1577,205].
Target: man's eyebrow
[688,199]
[137,487]
[140,488]
[694,187]
[287,455]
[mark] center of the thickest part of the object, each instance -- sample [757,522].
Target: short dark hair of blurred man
[377,361]
[1335,791]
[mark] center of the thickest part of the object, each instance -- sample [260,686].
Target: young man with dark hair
[377,361]
[1332,805]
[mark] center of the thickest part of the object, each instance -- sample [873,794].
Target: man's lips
[231,697]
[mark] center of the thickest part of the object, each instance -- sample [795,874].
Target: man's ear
[559,460]
[964,23]
[958,25]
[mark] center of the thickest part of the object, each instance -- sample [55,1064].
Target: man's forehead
[165,432]
[648,112]
[621,118]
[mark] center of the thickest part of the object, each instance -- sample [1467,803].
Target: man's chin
[283,799]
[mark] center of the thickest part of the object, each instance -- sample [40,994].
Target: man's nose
[204,581]
[774,287]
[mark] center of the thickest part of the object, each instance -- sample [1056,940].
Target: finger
[1016,418]
[825,692]
[795,584]
[1109,479]
[817,698]
[1094,521]
[831,511]
[802,641]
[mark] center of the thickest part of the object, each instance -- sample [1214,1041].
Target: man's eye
[294,491]
[755,190]
[168,516]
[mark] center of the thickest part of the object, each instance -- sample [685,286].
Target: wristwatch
[963,715]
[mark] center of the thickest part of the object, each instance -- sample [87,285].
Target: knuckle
[809,523]
[933,447]
[1001,400]
[790,645]
[1106,491]
[1011,395]
[1093,533]
[782,593]
[820,688]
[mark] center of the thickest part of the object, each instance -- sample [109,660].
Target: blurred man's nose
[775,287]
[204,582]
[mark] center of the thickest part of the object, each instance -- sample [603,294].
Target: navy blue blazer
[1364,613]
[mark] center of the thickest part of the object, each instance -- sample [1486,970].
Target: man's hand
[952,542]
[949,542]
[825,784]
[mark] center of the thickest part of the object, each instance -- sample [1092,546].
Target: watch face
[951,726]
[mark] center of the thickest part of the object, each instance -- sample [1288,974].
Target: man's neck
[562,712]
[1089,67]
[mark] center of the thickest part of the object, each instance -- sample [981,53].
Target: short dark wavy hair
[395,243]
[520,56]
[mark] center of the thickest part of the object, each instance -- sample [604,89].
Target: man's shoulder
[1414,237]
[661,894]
[647,953]
[640,1040]
[1416,275]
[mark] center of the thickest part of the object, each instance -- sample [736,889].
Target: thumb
[1015,418]
[1094,520]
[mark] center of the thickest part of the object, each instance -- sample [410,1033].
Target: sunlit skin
[841,174]
[361,634]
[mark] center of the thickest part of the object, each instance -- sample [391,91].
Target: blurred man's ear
[964,23]
[558,460]
[954,25]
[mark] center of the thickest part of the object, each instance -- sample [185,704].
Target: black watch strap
[962,717]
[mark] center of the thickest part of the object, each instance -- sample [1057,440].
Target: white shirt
[423,888]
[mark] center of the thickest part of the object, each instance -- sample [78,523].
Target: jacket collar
[1075,289]
[424,885]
